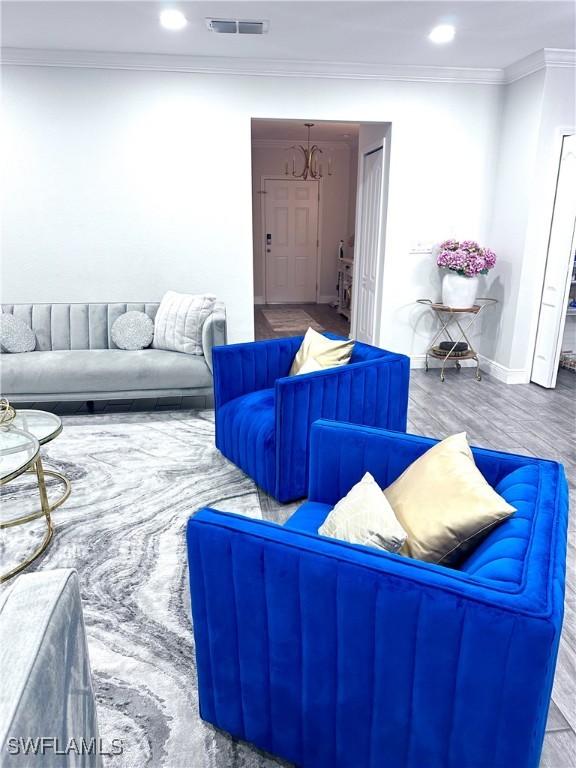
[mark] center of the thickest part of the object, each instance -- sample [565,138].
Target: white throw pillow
[132,330]
[15,335]
[179,321]
[364,516]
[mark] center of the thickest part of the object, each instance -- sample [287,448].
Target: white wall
[121,184]
[538,109]
[268,159]
[515,174]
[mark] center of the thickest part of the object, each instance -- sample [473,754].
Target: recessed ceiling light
[173,19]
[444,33]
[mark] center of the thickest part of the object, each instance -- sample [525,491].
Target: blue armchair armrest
[243,368]
[334,656]
[372,392]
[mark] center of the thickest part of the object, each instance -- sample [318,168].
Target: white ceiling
[295,130]
[488,34]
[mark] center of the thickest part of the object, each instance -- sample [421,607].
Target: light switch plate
[422,246]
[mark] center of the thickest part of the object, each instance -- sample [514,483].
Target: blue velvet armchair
[334,655]
[263,416]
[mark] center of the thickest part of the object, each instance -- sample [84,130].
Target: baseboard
[327,299]
[502,373]
[259,300]
[499,371]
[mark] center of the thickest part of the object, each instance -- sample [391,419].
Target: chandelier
[312,165]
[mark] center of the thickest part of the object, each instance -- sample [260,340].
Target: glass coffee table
[20,442]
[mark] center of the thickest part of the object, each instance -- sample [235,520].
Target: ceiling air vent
[237,27]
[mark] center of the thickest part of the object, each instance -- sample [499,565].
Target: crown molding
[221,65]
[543,59]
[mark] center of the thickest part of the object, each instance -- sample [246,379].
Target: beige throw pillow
[445,504]
[317,352]
[364,516]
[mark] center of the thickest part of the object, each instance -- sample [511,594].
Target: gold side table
[21,438]
[20,453]
[45,427]
[455,327]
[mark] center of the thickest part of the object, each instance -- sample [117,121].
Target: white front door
[561,247]
[368,252]
[291,240]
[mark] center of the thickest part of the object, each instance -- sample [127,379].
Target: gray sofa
[76,359]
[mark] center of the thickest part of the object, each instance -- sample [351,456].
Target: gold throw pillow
[317,352]
[444,503]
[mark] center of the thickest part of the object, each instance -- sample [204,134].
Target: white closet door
[368,251]
[558,271]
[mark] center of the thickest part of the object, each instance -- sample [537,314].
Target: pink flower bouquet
[467,258]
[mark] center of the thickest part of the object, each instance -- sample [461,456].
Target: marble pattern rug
[136,478]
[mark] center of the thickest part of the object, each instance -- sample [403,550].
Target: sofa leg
[90,406]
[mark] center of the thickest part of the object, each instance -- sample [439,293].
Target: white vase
[459,292]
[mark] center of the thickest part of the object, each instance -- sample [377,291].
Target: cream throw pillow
[444,503]
[317,352]
[364,516]
[179,320]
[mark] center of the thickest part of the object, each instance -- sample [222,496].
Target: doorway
[303,225]
[556,335]
[315,233]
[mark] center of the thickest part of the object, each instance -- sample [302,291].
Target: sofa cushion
[101,370]
[308,517]
[502,554]
[132,330]
[179,321]
[15,335]
[246,435]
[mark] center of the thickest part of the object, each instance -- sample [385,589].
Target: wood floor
[324,314]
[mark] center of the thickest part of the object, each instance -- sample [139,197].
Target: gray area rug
[136,479]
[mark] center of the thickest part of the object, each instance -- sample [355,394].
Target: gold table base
[46,510]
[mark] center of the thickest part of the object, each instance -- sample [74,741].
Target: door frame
[562,133]
[262,237]
[369,150]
